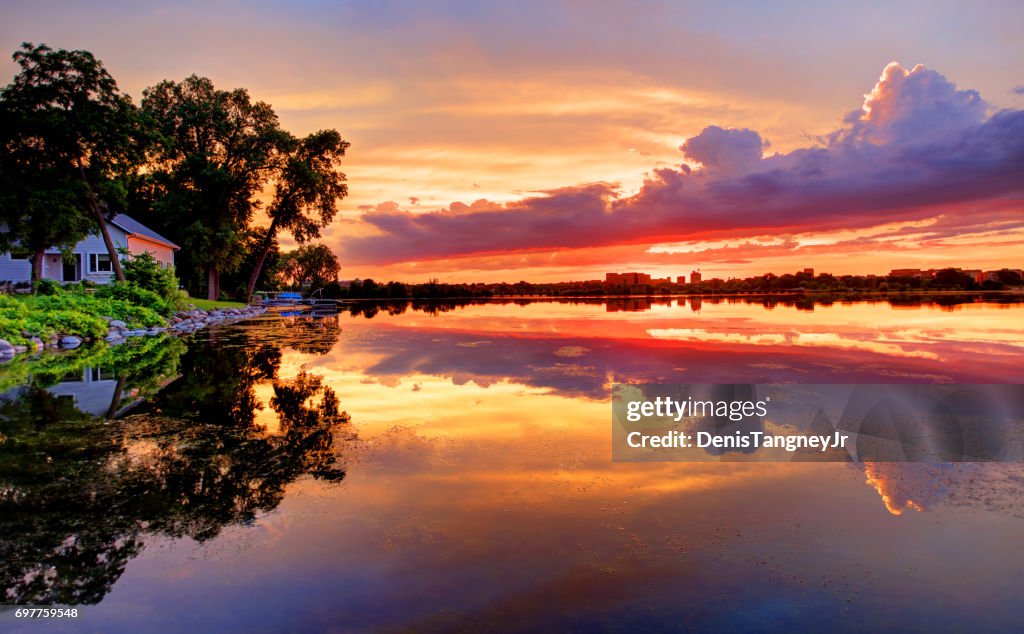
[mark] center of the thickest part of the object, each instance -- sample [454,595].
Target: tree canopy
[311,265]
[306,193]
[215,151]
[195,162]
[70,141]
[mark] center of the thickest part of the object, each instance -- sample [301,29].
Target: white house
[91,260]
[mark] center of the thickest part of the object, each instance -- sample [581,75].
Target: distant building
[906,273]
[809,272]
[977,275]
[694,277]
[681,279]
[626,279]
[994,275]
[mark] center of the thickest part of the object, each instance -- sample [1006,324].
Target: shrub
[133,293]
[46,286]
[144,270]
[70,314]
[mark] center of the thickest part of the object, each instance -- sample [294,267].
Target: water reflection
[480,488]
[80,495]
[570,348]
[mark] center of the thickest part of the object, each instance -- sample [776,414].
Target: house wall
[93,393]
[14,270]
[163,253]
[53,268]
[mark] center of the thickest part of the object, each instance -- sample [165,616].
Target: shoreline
[180,323]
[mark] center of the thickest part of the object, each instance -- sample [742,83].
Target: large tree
[312,265]
[215,152]
[69,139]
[306,192]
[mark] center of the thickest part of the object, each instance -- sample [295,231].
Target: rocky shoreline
[181,323]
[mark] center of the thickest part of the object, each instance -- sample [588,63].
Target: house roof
[131,226]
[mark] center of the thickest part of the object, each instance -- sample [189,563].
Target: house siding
[161,252]
[12,270]
[21,270]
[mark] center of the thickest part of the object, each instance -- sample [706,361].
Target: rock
[107,319]
[6,348]
[70,342]
[117,323]
[113,338]
[20,349]
[36,343]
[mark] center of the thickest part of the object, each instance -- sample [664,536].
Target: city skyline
[770,144]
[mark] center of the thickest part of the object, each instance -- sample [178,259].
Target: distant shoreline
[538,296]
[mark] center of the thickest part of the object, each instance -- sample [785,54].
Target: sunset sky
[559,140]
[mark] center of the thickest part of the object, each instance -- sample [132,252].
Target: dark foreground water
[392,468]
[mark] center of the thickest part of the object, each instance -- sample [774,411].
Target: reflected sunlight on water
[477,485]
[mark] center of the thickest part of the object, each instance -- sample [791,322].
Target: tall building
[694,277]
[626,279]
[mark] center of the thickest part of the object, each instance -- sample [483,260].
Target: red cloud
[917,146]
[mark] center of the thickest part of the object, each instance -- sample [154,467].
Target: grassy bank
[209,304]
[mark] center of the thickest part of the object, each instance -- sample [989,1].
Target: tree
[253,247]
[216,150]
[1009,277]
[70,139]
[306,193]
[952,279]
[313,265]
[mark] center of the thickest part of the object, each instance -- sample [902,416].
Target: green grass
[207,304]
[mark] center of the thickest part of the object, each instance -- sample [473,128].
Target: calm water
[393,468]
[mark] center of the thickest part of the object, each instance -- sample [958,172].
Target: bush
[132,293]
[76,314]
[46,286]
[144,270]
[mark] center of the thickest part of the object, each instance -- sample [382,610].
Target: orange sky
[542,141]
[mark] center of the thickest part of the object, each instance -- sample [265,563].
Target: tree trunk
[94,207]
[115,401]
[260,261]
[37,265]
[212,283]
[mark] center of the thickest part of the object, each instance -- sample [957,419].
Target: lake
[447,466]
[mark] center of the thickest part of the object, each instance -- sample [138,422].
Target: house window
[100,263]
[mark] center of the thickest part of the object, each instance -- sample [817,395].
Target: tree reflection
[309,335]
[78,495]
